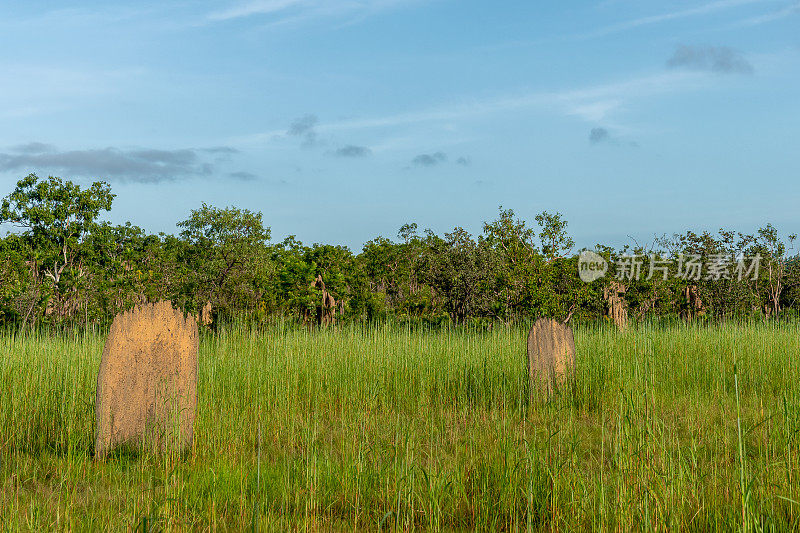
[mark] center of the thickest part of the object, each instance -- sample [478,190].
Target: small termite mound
[551,355]
[617,309]
[204,317]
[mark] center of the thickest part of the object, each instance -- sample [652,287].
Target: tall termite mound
[326,308]
[204,317]
[147,382]
[617,309]
[551,355]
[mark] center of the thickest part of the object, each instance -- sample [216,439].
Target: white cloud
[290,11]
[260,7]
[594,111]
[57,87]
[787,11]
[705,9]
[592,104]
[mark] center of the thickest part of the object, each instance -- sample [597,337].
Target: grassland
[357,429]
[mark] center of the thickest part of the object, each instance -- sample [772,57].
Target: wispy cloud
[288,11]
[594,110]
[352,150]
[78,17]
[242,175]
[225,150]
[599,135]
[719,59]
[704,9]
[593,104]
[33,148]
[260,7]
[58,87]
[788,11]
[304,127]
[429,160]
[113,164]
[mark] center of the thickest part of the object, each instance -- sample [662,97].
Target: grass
[353,429]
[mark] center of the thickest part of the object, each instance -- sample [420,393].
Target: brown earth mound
[551,355]
[147,382]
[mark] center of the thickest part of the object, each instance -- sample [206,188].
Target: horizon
[341,121]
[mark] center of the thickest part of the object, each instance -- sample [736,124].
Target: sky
[341,120]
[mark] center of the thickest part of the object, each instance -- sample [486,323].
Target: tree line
[61,264]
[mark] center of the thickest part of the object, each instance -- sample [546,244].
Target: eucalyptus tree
[226,257]
[54,217]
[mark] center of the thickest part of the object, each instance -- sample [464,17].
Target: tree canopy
[62,264]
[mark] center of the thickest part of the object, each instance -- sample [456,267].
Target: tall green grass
[663,428]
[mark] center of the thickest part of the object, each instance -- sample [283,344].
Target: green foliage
[54,210]
[55,217]
[459,270]
[226,257]
[553,235]
[16,280]
[294,278]
[511,242]
[63,266]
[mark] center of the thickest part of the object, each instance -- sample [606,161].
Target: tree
[512,243]
[55,216]
[127,267]
[556,243]
[17,280]
[226,256]
[773,252]
[459,270]
[408,232]
[334,264]
[294,277]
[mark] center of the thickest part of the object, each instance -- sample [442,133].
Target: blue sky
[341,120]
